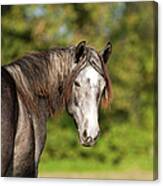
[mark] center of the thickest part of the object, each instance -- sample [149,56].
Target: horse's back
[9,109]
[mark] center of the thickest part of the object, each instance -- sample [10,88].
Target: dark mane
[34,78]
[107,94]
[36,65]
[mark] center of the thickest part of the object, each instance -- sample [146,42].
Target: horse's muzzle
[88,142]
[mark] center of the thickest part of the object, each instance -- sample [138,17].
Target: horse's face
[86,93]
[85,98]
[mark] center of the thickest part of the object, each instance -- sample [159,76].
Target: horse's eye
[76,102]
[77,84]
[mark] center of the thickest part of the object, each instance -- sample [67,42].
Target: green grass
[71,166]
[93,166]
[132,170]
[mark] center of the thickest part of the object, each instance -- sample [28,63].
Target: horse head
[89,85]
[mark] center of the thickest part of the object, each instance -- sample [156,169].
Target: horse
[35,86]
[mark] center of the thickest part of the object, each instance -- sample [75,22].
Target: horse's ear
[106,52]
[80,50]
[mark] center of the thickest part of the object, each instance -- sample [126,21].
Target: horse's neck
[39,80]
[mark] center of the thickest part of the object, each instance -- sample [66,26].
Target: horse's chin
[84,144]
[87,145]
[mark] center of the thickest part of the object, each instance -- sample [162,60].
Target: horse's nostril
[85,134]
[89,139]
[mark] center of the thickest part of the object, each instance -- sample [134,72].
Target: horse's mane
[107,94]
[33,76]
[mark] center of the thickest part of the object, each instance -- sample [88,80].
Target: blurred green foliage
[128,133]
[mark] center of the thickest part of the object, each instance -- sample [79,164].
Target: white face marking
[86,94]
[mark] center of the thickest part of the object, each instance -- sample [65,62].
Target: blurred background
[126,148]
